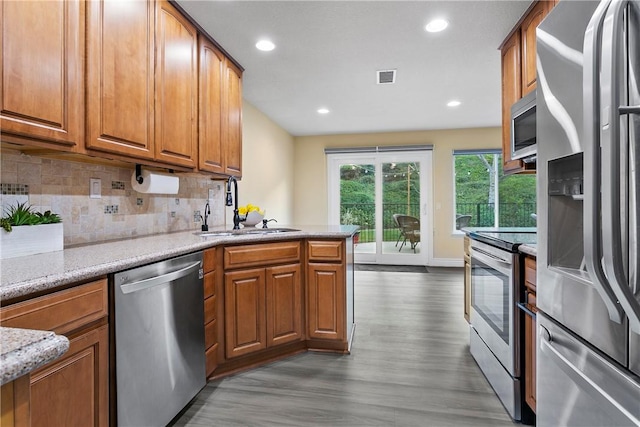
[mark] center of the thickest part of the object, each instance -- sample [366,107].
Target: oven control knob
[545,334]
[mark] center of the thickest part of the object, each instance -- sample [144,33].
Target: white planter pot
[31,239]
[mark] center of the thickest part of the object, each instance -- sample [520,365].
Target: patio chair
[409,230]
[462,221]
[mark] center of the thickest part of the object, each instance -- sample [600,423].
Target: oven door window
[490,297]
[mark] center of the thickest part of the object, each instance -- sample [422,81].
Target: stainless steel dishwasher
[159,340]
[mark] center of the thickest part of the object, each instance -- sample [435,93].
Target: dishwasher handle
[139,285]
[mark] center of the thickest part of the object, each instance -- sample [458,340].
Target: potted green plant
[27,232]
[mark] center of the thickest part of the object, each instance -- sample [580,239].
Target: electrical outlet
[196,216]
[212,192]
[95,188]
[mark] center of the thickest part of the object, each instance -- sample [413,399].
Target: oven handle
[491,260]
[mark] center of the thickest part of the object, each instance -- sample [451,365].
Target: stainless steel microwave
[523,129]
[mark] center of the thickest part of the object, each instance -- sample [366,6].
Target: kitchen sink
[245,231]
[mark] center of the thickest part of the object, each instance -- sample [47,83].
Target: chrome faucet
[230,201]
[207,212]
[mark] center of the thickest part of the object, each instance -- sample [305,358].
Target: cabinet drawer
[530,273]
[209,260]
[211,357]
[261,254]
[210,333]
[61,312]
[209,285]
[325,250]
[210,309]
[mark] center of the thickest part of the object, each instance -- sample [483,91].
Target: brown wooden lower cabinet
[15,403]
[74,389]
[530,334]
[284,304]
[263,308]
[530,362]
[326,301]
[245,329]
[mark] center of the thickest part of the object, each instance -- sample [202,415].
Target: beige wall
[310,190]
[267,166]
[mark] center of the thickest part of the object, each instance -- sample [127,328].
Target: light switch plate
[95,188]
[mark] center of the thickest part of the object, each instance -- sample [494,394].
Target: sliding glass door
[388,194]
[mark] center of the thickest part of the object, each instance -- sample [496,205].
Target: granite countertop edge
[51,270]
[24,350]
[529,249]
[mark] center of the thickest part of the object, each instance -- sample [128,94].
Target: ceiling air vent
[386,76]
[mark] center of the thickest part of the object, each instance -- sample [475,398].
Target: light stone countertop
[23,276]
[24,350]
[529,249]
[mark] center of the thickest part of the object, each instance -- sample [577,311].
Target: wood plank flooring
[410,366]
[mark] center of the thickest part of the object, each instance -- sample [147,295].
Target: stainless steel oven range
[495,319]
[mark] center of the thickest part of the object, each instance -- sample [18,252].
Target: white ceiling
[327,54]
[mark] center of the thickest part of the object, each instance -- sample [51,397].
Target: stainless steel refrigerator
[588,132]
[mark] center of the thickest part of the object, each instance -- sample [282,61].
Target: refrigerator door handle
[629,109]
[612,200]
[592,202]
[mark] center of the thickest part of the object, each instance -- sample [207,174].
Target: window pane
[486,198]
[357,202]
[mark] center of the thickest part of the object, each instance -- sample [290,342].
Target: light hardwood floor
[410,366]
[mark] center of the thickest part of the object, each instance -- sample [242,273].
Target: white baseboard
[446,262]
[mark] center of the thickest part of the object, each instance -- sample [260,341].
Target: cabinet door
[284,304]
[176,88]
[244,315]
[212,68]
[120,77]
[511,92]
[530,361]
[42,50]
[528,34]
[232,121]
[326,301]
[74,390]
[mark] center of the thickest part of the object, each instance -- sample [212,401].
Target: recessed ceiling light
[453,103]
[265,45]
[323,111]
[436,25]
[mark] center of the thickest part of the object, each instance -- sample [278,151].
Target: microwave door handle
[592,203]
[611,134]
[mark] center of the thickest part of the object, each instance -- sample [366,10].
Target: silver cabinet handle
[139,285]
[592,202]
[612,58]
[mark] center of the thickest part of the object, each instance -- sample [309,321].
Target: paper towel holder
[139,177]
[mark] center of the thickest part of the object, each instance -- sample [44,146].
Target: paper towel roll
[156,183]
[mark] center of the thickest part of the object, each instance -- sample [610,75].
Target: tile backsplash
[63,187]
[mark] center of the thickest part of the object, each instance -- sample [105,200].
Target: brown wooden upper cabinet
[142,101]
[176,85]
[220,121]
[518,54]
[120,82]
[232,125]
[38,107]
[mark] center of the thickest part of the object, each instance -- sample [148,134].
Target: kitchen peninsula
[70,289]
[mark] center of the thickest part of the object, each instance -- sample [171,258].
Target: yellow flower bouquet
[252,214]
